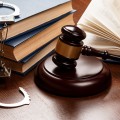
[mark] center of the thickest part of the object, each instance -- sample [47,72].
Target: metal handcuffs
[25,101]
[11,17]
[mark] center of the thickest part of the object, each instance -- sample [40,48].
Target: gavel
[70,46]
[69,72]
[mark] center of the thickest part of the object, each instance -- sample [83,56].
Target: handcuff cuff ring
[11,17]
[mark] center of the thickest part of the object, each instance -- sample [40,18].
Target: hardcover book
[30,61]
[34,13]
[18,47]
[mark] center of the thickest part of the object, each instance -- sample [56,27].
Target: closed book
[30,61]
[19,47]
[34,14]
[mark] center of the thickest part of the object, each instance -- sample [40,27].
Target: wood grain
[44,106]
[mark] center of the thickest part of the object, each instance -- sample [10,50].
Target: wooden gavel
[68,73]
[70,46]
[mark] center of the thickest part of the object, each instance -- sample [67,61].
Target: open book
[101,21]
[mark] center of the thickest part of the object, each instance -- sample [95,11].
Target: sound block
[90,77]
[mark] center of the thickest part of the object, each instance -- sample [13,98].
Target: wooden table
[44,106]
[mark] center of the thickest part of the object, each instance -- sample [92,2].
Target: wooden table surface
[44,106]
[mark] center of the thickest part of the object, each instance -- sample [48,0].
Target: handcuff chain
[3,39]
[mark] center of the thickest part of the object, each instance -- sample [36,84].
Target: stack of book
[34,34]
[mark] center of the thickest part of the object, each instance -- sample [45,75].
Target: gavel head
[68,47]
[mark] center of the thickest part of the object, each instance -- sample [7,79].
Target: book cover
[35,13]
[31,7]
[80,6]
[19,47]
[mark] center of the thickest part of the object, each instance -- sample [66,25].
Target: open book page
[101,44]
[97,26]
[107,16]
[89,26]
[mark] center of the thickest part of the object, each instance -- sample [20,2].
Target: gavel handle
[89,51]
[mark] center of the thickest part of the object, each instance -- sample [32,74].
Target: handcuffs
[4,21]
[24,101]
[11,17]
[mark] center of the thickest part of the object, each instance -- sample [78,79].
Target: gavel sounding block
[89,77]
